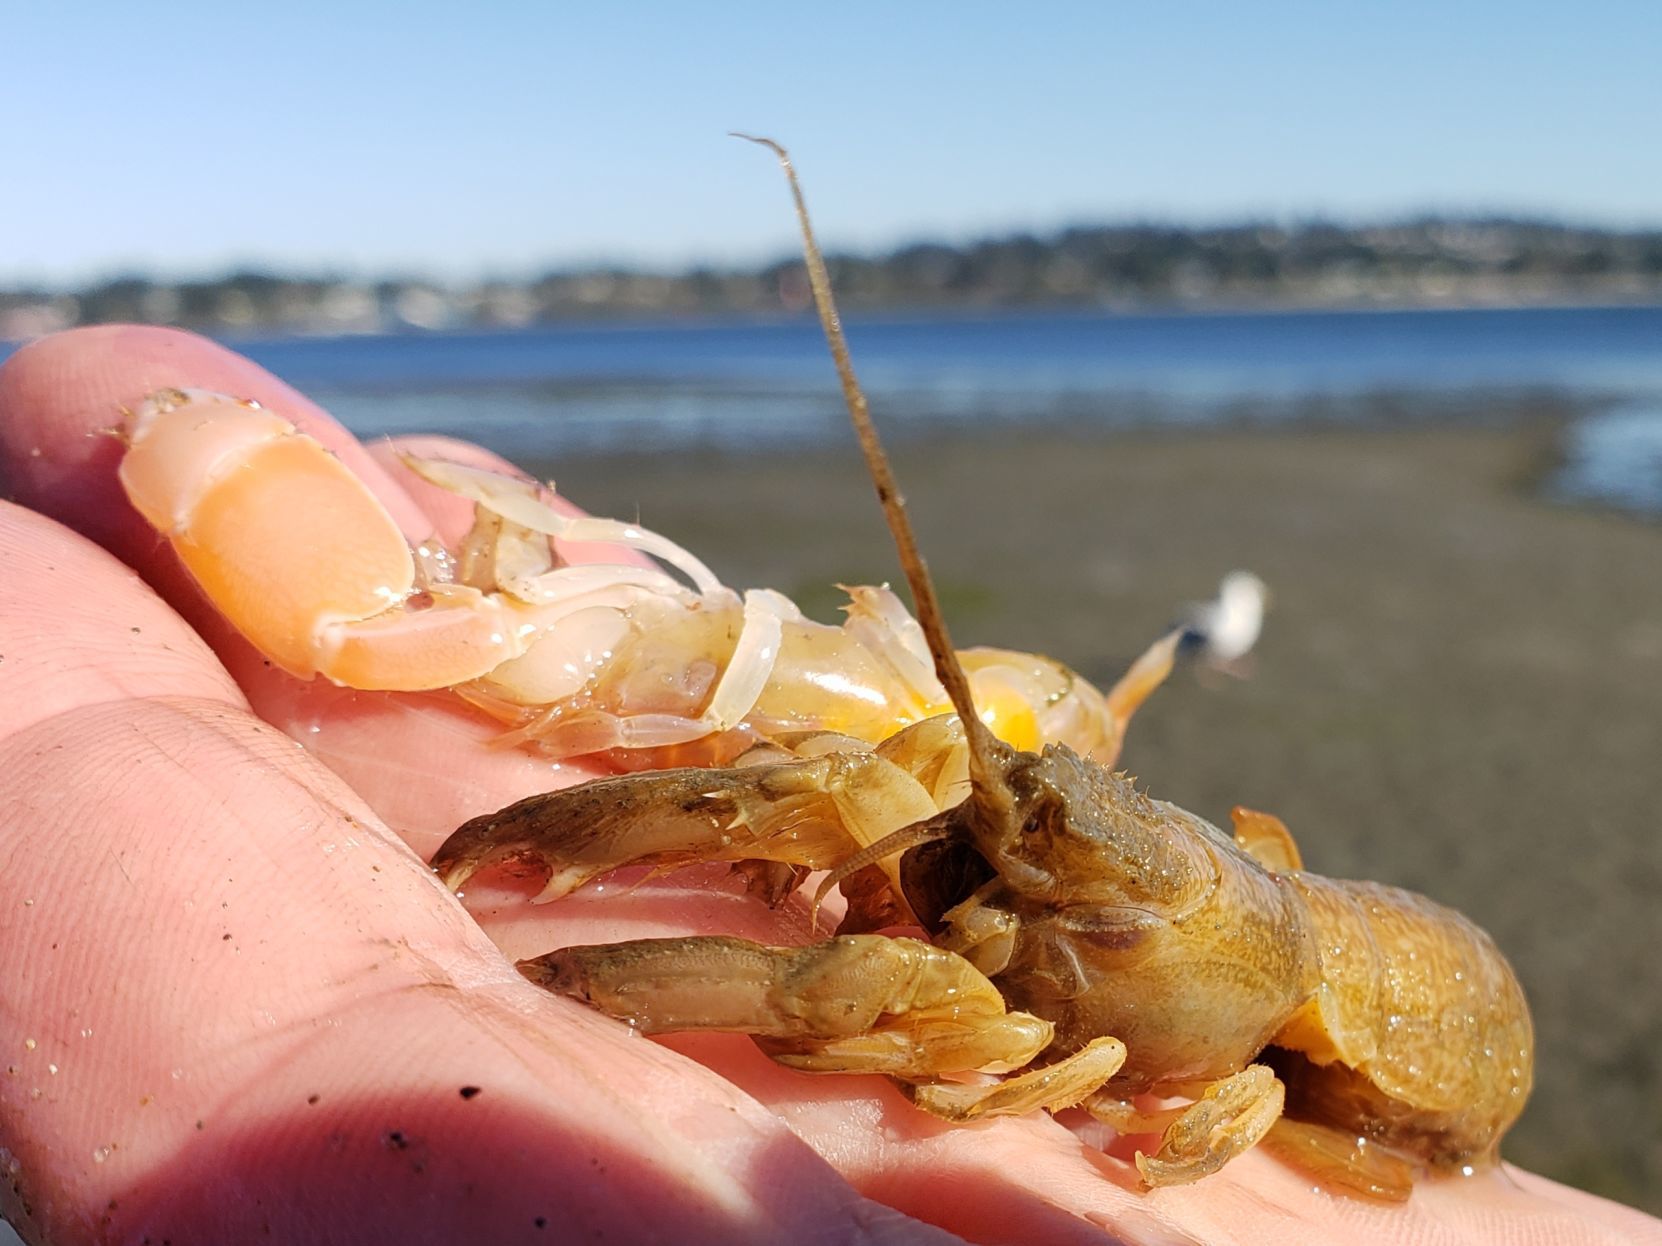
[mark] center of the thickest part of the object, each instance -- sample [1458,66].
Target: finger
[424,762]
[233,1004]
[64,394]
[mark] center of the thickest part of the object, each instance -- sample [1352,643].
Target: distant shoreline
[955,313]
[27,320]
[1422,264]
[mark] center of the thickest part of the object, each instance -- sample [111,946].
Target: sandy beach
[1459,690]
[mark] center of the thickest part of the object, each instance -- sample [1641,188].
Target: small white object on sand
[1222,631]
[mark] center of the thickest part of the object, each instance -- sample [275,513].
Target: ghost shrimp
[1092,943]
[644,658]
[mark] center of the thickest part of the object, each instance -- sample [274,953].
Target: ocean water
[746,386]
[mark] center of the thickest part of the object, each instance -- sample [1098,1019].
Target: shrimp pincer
[1094,944]
[622,658]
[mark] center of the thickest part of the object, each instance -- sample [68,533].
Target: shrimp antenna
[984,772]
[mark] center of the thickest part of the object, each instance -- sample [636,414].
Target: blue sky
[502,138]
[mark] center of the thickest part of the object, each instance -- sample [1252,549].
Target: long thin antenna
[984,773]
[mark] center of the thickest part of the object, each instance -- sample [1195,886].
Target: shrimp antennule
[987,778]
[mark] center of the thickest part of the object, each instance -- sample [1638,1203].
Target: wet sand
[1459,690]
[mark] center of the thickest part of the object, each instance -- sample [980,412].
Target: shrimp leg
[1229,1118]
[852,1004]
[1064,1084]
[1266,839]
[814,812]
[1342,1158]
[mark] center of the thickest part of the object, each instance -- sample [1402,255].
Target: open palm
[235,1002]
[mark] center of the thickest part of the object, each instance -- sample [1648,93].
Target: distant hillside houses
[1429,262]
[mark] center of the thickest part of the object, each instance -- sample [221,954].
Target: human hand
[234,1002]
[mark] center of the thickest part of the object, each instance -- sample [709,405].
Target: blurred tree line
[1426,262]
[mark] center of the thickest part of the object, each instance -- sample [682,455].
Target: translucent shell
[295,552]
[307,564]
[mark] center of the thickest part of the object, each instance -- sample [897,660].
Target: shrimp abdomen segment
[1418,1036]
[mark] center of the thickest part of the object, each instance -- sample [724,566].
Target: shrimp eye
[1041,818]
[1043,814]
